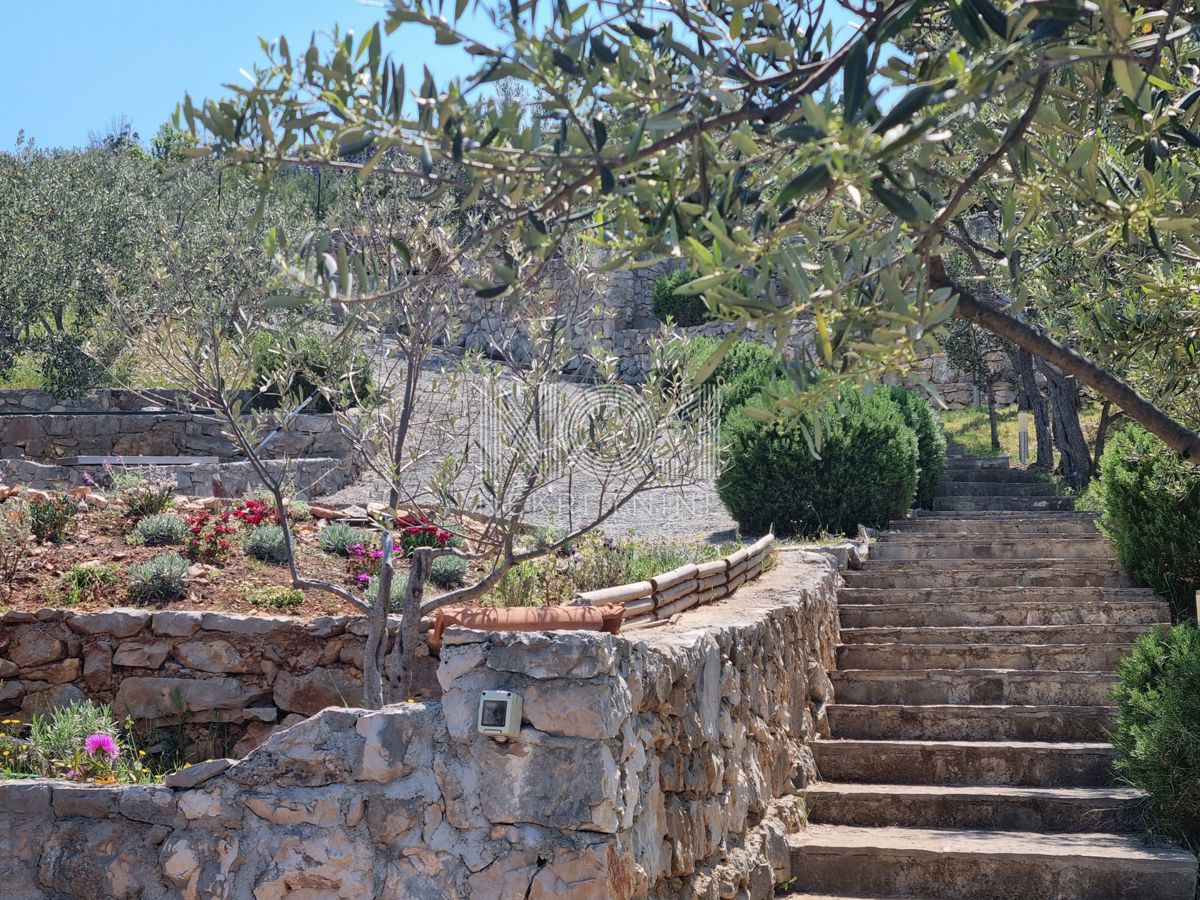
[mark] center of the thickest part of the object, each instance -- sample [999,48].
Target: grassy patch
[969,427]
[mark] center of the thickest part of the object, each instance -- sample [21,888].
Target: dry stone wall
[246,674]
[651,764]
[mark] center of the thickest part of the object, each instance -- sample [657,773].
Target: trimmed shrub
[301,363]
[277,597]
[338,537]
[448,572]
[266,542]
[144,491]
[159,529]
[866,472]
[931,442]
[159,580]
[1151,502]
[1158,717]
[682,309]
[745,369]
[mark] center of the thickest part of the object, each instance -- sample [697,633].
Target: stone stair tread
[993,634]
[956,721]
[960,842]
[1017,594]
[902,791]
[976,686]
[981,614]
[1023,657]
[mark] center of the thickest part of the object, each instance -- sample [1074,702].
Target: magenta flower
[378,554]
[102,743]
[363,577]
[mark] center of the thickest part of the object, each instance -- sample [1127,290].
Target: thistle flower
[101,742]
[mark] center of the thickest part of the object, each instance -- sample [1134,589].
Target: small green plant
[448,571]
[277,597]
[338,537]
[682,309]
[307,363]
[399,586]
[158,530]
[78,742]
[88,581]
[50,520]
[299,510]
[15,538]
[144,491]
[159,580]
[267,543]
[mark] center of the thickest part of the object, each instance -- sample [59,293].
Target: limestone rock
[176,624]
[196,774]
[311,692]
[121,623]
[34,647]
[145,697]
[213,655]
[139,655]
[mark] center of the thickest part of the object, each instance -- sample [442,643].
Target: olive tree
[833,169]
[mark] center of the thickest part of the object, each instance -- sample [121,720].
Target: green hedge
[931,442]
[1158,718]
[681,309]
[743,371]
[1151,505]
[866,473]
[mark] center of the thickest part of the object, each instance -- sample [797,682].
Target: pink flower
[363,577]
[101,742]
[378,554]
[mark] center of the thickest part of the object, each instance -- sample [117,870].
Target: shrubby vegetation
[1158,701]
[931,442]
[684,310]
[296,365]
[159,580]
[77,742]
[1150,501]
[159,529]
[865,473]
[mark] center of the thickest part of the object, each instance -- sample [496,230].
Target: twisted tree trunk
[1032,400]
[1182,440]
[1075,465]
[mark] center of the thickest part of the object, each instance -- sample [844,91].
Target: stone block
[213,655]
[35,647]
[97,666]
[147,803]
[146,697]
[553,654]
[88,801]
[310,692]
[140,655]
[120,623]
[196,774]
[62,672]
[397,741]
[235,624]
[176,624]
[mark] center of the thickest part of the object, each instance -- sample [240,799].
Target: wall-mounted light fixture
[500,714]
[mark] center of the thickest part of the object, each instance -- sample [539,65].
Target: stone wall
[648,764]
[310,476]
[48,437]
[248,674]
[29,400]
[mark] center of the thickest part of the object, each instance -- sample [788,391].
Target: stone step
[972,686]
[995,634]
[957,487]
[961,722]
[951,613]
[1000,502]
[999,865]
[995,474]
[957,463]
[1022,657]
[1016,763]
[933,573]
[943,525]
[954,597]
[1039,546]
[1061,809]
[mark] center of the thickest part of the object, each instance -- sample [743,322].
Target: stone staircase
[969,755]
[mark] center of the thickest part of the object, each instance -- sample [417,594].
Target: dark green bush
[866,473]
[1158,718]
[931,442]
[681,309]
[743,371]
[299,365]
[1151,502]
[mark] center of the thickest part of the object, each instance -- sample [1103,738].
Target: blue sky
[70,67]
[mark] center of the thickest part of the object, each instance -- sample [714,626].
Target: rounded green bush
[682,309]
[866,472]
[1151,501]
[266,542]
[931,442]
[159,580]
[448,571]
[306,360]
[338,537]
[1158,718]
[159,529]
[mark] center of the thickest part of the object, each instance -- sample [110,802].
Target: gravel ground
[693,511]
